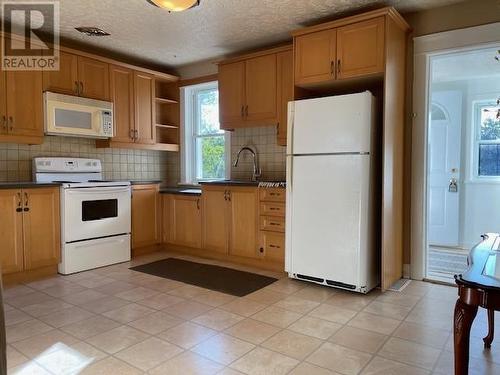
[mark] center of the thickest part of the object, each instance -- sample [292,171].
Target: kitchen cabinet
[360,48]
[144,108]
[285,93]
[145,215]
[30,229]
[93,76]
[272,224]
[315,56]
[21,107]
[182,220]
[41,222]
[64,80]
[242,204]
[122,96]
[215,219]
[79,75]
[249,90]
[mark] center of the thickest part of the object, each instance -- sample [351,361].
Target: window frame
[477,107]
[189,135]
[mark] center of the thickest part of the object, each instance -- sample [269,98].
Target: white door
[327,215]
[444,168]
[334,124]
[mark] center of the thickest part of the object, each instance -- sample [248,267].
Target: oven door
[95,212]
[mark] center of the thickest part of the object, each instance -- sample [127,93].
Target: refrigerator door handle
[289,173]
[290,126]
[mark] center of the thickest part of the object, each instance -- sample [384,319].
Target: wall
[16,159]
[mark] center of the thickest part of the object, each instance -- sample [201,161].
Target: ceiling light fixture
[92,31]
[175,5]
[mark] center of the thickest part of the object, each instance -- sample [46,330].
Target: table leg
[464,316]
[491,329]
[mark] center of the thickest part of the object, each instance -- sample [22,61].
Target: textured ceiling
[215,28]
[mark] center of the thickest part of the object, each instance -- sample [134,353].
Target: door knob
[453,187]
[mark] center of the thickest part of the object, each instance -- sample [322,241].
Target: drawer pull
[275,246]
[275,224]
[274,209]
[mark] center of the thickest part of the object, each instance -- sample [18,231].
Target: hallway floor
[117,321]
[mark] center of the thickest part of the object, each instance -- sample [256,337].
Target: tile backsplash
[16,159]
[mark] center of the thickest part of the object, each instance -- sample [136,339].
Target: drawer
[272,223]
[272,246]
[272,209]
[272,194]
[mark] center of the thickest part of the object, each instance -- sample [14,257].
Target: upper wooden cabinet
[144,108]
[285,92]
[30,229]
[231,94]
[360,48]
[350,50]
[64,80]
[249,90]
[122,96]
[21,107]
[79,75]
[93,76]
[315,56]
[146,216]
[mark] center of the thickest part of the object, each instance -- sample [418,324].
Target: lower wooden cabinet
[30,229]
[242,205]
[182,220]
[272,224]
[215,219]
[146,216]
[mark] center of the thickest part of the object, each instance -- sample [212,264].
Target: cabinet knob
[81,88]
[261,249]
[338,66]
[77,88]
[11,121]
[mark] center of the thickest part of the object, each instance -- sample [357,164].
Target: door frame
[425,47]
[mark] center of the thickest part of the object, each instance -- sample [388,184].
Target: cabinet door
[24,103]
[94,78]
[165,218]
[185,220]
[64,80]
[261,89]
[231,94]
[360,48]
[145,216]
[315,57]
[272,246]
[41,224]
[144,86]
[122,96]
[11,231]
[285,89]
[3,104]
[243,222]
[214,217]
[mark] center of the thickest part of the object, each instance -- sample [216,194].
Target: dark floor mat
[220,279]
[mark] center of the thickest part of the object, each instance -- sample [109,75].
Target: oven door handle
[86,191]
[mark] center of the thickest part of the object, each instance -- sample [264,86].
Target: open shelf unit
[167,113]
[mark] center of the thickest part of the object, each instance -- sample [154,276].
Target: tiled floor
[117,321]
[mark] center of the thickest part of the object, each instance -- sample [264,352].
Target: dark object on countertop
[3,342]
[221,279]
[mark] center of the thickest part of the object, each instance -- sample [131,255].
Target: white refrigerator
[331,216]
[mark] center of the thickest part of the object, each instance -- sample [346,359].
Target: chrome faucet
[257,172]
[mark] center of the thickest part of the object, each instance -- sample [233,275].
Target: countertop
[183,190]
[27,184]
[264,184]
[145,182]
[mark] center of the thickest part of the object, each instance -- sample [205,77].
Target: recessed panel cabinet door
[122,96]
[64,80]
[11,231]
[261,88]
[285,81]
[243,222]
[215,225]
[144,108]
[41,223]
[24,103]
[3,104]
[360,48]
[315,57]
[231,94]
[145,216]
[94,78]
[185,220]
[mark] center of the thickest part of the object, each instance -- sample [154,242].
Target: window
[487,139]
[206,146]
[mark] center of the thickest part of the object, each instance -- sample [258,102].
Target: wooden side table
[478,286]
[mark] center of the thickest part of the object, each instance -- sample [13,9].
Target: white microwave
[77,117]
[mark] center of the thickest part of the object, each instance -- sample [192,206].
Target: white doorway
[455,148]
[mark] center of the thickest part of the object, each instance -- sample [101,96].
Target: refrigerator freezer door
[327,217]
[336,124]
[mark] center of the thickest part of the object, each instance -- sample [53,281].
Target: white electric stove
[95,214]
